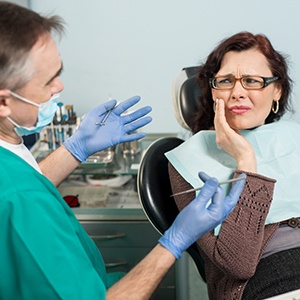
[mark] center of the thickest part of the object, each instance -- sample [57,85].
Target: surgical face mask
[46,113]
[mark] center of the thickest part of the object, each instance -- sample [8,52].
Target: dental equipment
[199,188]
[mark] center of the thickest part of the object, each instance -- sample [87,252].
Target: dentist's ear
[4,103]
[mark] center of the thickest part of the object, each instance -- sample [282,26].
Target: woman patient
[245,91]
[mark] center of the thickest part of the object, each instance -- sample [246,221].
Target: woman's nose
[238,92]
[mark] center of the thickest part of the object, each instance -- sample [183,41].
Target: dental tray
[107,180]
[103,157]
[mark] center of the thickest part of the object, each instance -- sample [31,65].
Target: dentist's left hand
[90,138]
[197,218]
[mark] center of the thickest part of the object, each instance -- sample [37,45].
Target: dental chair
[185,96]
[153,184]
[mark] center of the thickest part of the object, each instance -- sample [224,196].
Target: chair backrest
[185,96]
[154,191]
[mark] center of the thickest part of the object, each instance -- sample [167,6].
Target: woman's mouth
[239,109]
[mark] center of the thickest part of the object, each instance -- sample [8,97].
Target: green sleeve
[45,253]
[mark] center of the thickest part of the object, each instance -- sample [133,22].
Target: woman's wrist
[248,163]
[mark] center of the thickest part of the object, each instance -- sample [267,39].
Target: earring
[276,108]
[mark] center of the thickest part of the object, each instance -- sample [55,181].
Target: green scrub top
[44,252]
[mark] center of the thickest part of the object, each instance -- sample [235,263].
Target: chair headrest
[185,96]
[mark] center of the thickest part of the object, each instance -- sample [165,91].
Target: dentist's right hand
[118,128]
[196,219]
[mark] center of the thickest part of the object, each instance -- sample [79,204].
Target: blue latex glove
[196,219]
[90,138]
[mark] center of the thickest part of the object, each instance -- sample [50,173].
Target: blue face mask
[45,115]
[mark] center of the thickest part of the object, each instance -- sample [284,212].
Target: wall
[20,2]
[121,48]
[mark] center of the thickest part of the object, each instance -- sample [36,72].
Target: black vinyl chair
[154,191]
[185,96]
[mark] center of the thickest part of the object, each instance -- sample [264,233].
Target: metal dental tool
[197,189]
[106,116]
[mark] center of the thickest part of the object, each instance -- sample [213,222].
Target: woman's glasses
[247,82]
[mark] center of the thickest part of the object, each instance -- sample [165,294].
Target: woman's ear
[4,101]
[277,93]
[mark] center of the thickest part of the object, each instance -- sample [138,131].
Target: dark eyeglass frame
[266,82]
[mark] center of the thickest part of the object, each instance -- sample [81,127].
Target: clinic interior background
[120,48]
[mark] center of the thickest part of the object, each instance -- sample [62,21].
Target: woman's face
[245,109]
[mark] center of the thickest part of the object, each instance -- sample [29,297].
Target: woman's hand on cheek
[232,141]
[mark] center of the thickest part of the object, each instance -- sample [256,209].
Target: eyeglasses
[247,82]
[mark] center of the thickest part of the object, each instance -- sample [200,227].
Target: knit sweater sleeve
[238,247]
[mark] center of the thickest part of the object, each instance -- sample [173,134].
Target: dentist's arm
[192,222]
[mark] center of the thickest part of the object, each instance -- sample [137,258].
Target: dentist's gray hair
[20,29]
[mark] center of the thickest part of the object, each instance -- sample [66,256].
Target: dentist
[44,251]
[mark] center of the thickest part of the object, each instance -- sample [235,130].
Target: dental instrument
[199,188]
